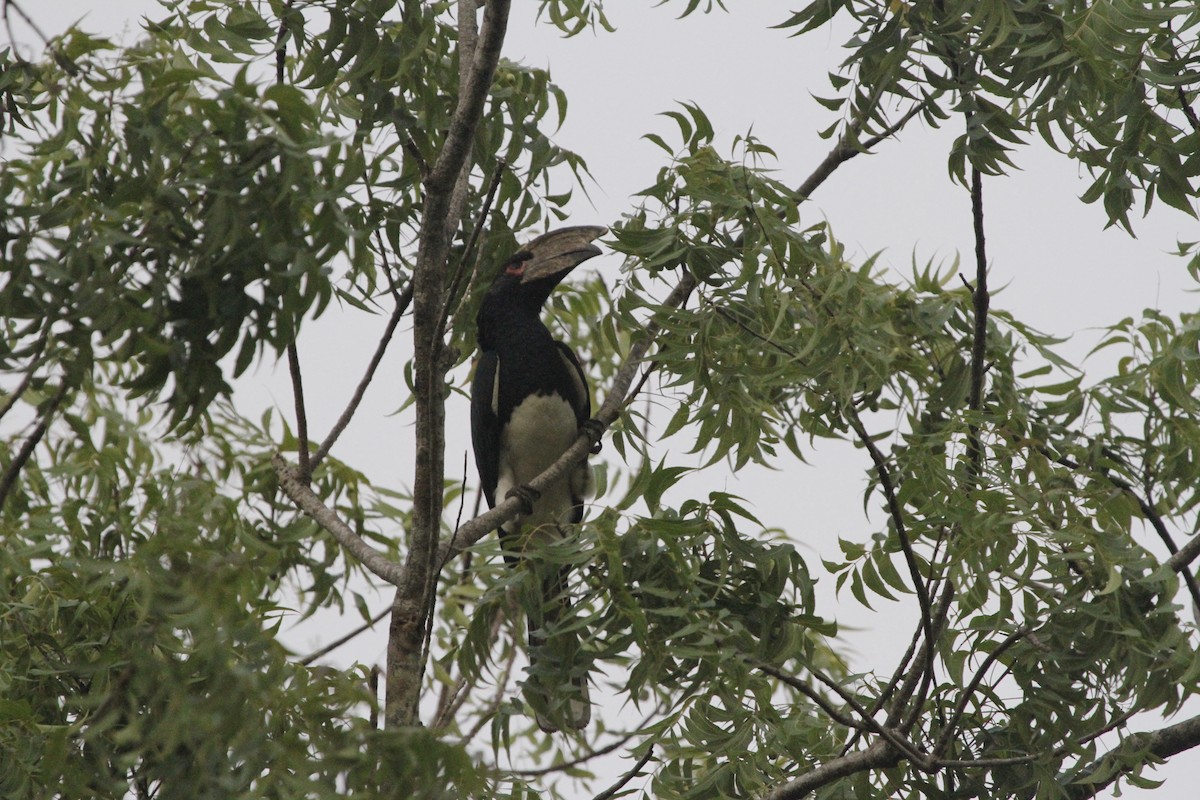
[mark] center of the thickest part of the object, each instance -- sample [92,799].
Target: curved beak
[557,252]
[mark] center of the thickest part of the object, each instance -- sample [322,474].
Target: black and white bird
[529,400]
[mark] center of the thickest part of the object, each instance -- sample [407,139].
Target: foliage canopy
[178,210]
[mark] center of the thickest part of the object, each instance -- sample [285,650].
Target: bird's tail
[557,688]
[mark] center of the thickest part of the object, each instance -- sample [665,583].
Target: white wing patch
[496,389]
[577,383]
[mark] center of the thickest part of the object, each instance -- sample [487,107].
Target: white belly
[544,427]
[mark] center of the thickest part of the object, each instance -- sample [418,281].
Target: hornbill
[529,400]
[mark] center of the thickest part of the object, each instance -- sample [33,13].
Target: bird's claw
[593,429]
[526,494]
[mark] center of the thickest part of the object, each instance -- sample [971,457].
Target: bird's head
[530,275]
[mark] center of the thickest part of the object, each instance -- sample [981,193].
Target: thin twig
[27,448]
[976,679]
[588,756]
[402,302]
[843,151]
[633,772]
[69,66]
[336,643]
[886,483]
[414,152]
[1188,111]
[456,281]
[812,694]
[35,361]
[497,698]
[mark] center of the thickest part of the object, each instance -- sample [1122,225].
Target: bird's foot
[526,494]
[593,429]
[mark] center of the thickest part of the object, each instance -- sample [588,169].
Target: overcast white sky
[1062,271]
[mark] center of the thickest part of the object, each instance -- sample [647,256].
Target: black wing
[580,399]
[485,424]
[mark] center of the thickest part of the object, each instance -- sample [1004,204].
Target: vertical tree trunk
[446,193]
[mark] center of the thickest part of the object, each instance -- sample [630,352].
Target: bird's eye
[516,264]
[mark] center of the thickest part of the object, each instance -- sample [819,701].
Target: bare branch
[22,458]
[301,415]
[888,485]
[302,495]
[980,299]
[1186,555]
[845,150]
[879,755]
[336,643]
[632,773]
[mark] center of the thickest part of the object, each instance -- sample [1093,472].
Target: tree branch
[633,772]
[879,755]
[1186,555]
[1160,744]
[843,151]
[445,189]
[293,357]
[22,458]
[980,299]
[402,302]
[336,643]
[897,515]
[302,495]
